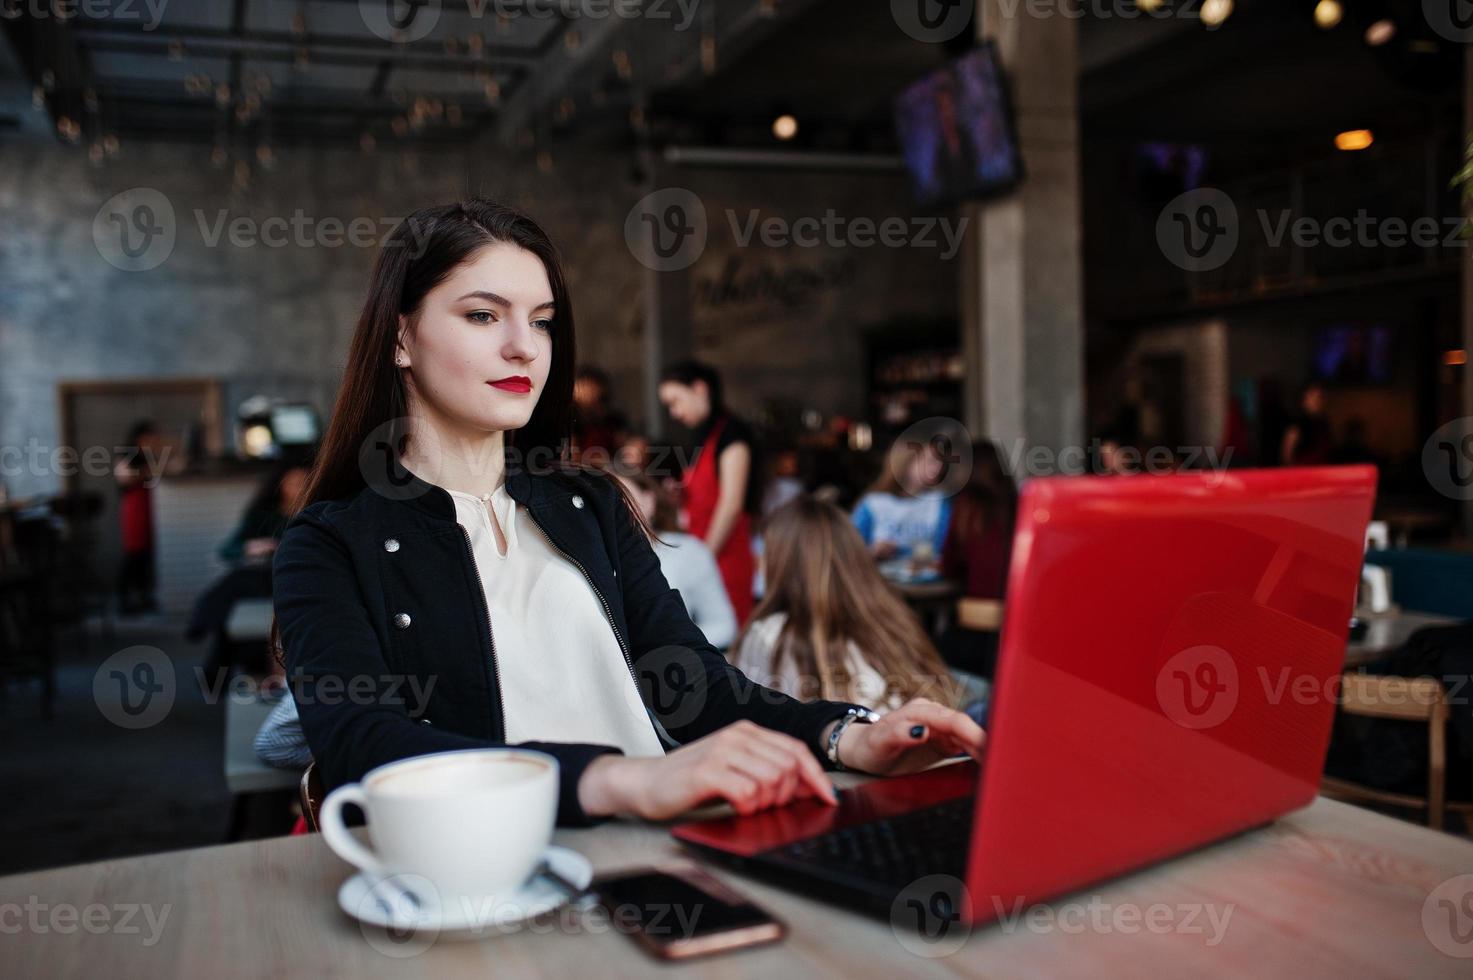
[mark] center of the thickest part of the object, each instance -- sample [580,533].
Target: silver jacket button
[402,621]
[391,545]
[577,501]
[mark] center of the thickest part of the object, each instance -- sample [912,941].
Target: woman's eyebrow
[499,300]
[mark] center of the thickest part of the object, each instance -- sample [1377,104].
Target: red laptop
[1166,678]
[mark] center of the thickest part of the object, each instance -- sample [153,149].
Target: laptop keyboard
[896,850]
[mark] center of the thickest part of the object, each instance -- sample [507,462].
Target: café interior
[1001,354]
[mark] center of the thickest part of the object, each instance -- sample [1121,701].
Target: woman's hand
[918,734]
[749,766]
[884,550]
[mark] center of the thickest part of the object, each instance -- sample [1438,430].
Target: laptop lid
[1168,669]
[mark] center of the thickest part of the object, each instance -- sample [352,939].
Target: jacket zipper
[490,636]
[608,613]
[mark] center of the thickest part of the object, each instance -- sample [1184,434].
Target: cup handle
[336,833]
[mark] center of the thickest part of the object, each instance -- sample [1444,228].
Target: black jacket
[390,655]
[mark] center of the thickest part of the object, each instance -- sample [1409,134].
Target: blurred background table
[1386,632]
[268,909]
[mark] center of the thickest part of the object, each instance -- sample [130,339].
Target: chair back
[979,615]
[311,791]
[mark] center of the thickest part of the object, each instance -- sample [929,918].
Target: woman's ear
[401,349]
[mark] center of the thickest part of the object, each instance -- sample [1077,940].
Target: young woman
[448,585]
[828,625]
[719,489]
[686,562]
[903,515]
[979,540]
[266,516]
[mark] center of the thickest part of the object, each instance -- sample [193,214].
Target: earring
[398,361]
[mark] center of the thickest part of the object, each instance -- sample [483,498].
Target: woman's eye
[543,324]
[481,316]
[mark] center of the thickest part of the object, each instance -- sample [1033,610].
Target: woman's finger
[734,787]
[939,720]
[766,774]
[809,771]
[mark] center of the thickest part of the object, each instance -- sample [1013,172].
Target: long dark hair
[689,372]
[419,254]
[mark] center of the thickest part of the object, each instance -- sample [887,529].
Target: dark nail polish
[918,731]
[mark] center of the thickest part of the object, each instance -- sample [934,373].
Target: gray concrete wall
[277,320]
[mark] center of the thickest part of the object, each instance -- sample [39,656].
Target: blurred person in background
[266,516]
[596,426]
[1308,440]
[829,625]
[903,515]
[979,540]
[134,471]
[719,486]
[688,564]
[249,551]
[784,481]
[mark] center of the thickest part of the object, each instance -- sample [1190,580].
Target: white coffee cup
[473,822]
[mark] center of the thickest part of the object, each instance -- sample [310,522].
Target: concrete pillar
[1022,282]
[669,334]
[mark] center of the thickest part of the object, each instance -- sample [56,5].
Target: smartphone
[679,912]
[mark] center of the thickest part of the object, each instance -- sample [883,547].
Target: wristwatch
[862,715]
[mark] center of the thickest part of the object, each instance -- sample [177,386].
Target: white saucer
[379,903]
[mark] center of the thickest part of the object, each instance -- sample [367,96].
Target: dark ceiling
[287,71]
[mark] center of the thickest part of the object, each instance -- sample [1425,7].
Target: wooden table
[1387,632]
[1330,891]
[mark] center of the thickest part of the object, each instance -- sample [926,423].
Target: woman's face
[644,498]
[688,404]
[481,349]
[292,482]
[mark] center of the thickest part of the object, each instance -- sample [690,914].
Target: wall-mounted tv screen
[955,128]
[1354,354]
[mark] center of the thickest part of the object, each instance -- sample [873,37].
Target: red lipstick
[516,383]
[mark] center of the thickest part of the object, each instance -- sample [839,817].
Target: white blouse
[562,672]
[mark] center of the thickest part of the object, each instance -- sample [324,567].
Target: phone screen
[668,908]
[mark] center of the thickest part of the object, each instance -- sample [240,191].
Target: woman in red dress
[717,484]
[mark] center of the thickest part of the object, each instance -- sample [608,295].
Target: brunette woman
[449,585]
[903,515]
[979,542]
[828,624]
[719,489]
